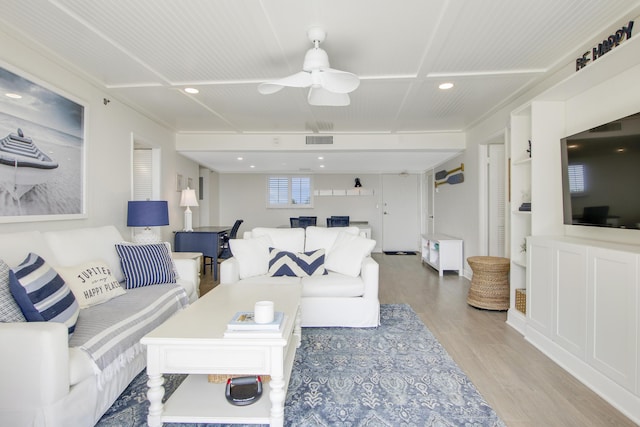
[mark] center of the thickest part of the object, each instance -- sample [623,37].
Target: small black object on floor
[400,252]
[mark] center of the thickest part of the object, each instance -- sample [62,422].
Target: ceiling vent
[319,139]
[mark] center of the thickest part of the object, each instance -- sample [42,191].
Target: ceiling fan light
[315,59]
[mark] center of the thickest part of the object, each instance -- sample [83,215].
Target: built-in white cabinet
[540,289]
[557,292]
[570,297]
[519,220]
[442,252]
[583,310]
[582,293]
[535,133]
[612,323]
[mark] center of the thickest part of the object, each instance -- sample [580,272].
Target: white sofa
[345,297]
[45,382]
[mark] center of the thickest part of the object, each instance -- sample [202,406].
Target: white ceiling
[145,52]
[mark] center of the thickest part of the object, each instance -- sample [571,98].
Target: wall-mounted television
[601,175]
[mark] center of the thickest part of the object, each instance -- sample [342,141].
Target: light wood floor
[525,387]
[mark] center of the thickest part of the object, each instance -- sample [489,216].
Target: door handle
[385,212]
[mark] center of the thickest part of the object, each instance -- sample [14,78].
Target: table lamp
[188,199]
[147,213]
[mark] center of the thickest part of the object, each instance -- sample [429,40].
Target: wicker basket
[490,282]
[521,300]
[222,378]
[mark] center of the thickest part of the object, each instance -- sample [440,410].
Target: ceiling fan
[328,86]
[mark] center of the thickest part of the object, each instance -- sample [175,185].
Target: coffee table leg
[277,396]
[155,395]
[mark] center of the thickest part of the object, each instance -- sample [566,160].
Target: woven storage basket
[222,378]
[490,282]
[521,300]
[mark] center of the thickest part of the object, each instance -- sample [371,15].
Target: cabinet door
[612,314]
[540,285]
[570,291]
[451,255]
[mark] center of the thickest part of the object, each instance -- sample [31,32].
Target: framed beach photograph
[42,152]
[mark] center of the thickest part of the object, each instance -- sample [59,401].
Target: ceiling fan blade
[322,97]
[300,79]
[339,81]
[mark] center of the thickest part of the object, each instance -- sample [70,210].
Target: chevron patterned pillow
[283,263]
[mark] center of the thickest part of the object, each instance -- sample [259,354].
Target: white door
[496,200]
[400,213]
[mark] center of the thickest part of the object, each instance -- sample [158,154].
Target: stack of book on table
[243,325]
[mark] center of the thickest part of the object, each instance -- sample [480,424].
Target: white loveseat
[45,380]
[347,296]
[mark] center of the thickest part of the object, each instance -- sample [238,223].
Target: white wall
[109,130]
[214,198]
[243,196]
[456,205]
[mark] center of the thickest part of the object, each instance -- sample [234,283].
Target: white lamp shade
[188,197]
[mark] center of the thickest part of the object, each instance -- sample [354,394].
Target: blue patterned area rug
[395,375]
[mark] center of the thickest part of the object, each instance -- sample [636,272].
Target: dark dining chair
[294,222]
[338,221]
[305,221]
[224,251]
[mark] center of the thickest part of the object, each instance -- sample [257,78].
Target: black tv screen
[601,175]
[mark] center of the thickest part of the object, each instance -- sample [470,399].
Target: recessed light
[191,90]
[240,158]
[321,166]
[320,158]
[13,95]
[620,150]
[445,86]
[252,166]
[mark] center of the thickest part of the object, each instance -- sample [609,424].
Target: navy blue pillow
[145,265]
[42,294]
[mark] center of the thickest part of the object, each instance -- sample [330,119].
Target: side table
[490,282]
[197,257]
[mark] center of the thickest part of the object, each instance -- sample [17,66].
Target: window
[576,179]
[289,192]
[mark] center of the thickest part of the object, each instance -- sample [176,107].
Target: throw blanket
[110,332]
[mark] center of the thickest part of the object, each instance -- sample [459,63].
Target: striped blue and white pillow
[283,263]
[145,265]
[42,294]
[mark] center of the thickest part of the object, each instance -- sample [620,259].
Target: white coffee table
[192,342]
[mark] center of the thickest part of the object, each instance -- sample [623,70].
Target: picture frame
[190,183]
[42,151]
[179,182]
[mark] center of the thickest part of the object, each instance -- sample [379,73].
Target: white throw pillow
[91,283]
[286,239]
[347,253]
[252,255]
[325,237]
